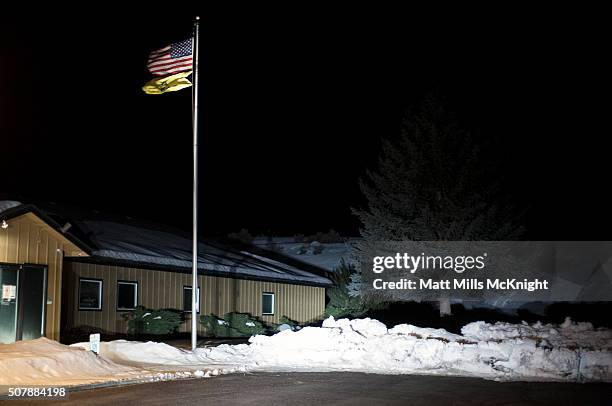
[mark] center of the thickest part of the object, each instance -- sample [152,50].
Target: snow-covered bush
[285,323]
[287,320]
[232,325]
[147,321]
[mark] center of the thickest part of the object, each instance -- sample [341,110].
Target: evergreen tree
[434,184]
[341,303]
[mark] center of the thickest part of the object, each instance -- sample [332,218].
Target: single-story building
[32,251]
[90,270]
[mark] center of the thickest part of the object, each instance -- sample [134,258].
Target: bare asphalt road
[340,389]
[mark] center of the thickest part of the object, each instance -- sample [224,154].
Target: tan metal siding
[29,240]
[164,290]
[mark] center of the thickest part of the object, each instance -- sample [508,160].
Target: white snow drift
[43,361]
[46,362]
[569,352]
[566,352]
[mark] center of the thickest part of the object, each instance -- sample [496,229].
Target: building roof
[151,246]
[11,209]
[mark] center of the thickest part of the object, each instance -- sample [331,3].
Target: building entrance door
[22,302]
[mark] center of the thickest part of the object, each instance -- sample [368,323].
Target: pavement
[342,388]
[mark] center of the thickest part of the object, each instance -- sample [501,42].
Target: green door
[8,303]
[23,302]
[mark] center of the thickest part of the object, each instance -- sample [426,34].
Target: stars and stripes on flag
[177,57]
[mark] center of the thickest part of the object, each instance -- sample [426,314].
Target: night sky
[293,110]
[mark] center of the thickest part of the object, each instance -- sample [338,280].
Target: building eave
[30,208]
[187,270]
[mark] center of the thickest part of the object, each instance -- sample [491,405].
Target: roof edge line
[177,269]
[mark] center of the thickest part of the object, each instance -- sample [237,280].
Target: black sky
[294,103]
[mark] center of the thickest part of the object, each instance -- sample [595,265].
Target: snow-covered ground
[46,362]
[567,352]
[328,256]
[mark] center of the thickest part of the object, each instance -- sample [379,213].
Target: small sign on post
[94,343]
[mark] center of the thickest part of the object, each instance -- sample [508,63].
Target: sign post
[94,343]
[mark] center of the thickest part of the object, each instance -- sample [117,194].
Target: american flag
[174,58]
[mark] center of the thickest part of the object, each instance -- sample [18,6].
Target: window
[90,294]
[127,295]
[267,303]
[187,299]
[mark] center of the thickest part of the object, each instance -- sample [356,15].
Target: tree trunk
[444,306]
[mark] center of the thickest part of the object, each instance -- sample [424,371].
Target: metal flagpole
[194,281]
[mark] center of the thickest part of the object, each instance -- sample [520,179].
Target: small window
[127,295]
[267,303]
[187,299]
[90,294]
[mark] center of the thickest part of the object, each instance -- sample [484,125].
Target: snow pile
[43,361]
[367,346]
[569,352]
[591,347]
[155,357]
[501,351]
[568,334]
[138,353]
[46,362]
[574,352]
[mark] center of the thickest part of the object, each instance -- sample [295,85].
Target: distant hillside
[324,255]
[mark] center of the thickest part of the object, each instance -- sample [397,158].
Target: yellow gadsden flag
[170,83]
